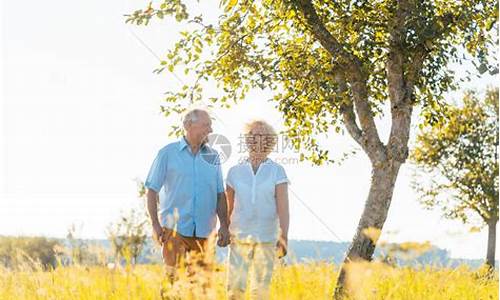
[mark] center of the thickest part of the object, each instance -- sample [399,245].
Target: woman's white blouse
[254,217]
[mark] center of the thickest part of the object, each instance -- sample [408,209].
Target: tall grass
[301,281]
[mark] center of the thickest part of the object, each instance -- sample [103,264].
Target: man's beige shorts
[177,248]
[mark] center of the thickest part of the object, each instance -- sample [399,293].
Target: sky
[80,122]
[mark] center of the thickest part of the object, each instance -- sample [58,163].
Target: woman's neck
[255,161]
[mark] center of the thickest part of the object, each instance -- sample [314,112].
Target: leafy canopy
[462,149]
[268,44]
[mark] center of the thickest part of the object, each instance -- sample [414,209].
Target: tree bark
[386,160]
[383,179]
[490,254]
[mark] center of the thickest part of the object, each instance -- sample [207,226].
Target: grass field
[302,281]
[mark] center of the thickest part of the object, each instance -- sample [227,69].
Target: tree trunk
[490,254]
[374,215]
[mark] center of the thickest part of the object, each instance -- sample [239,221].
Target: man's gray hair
[193,116]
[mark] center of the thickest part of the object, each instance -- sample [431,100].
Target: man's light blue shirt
[188,186]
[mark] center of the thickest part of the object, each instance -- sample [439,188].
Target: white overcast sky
[80,121]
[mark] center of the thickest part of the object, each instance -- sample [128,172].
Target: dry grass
[302,281]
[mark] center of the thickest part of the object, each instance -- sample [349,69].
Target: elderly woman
[257,194]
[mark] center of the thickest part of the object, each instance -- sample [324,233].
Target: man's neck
[194,145]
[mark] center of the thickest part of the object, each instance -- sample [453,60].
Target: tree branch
[401,90]
[401,84]
[347,110]
[324,36]
[353,71]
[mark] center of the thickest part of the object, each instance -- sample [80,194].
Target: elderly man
[188,175]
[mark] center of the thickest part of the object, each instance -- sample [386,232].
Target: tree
[460,151]
[32,252]
[331,63]
[128,236]
[79,248]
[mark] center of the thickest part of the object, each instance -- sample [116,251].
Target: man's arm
[222,209]
[283,211]
[152,197]
[223,239]
[230,201]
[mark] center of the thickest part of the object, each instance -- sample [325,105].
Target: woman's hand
[282,247]
[223,238]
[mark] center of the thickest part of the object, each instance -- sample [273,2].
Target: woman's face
[259,142]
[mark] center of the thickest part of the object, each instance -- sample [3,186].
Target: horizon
[291,241]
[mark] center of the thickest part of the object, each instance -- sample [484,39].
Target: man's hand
[223,238]
[282,247]
[158,233]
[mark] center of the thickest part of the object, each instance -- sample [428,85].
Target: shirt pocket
[265,200]
[179,168]
[208,177]
[242,194]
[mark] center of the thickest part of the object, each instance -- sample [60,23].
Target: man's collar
[183,144]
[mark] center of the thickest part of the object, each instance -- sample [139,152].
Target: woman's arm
[284,217]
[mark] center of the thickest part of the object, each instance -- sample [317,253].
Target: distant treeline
[24,251]
[45,253]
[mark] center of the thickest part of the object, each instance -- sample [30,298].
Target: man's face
[201,128]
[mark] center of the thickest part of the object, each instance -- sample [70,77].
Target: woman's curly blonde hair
[269,140]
